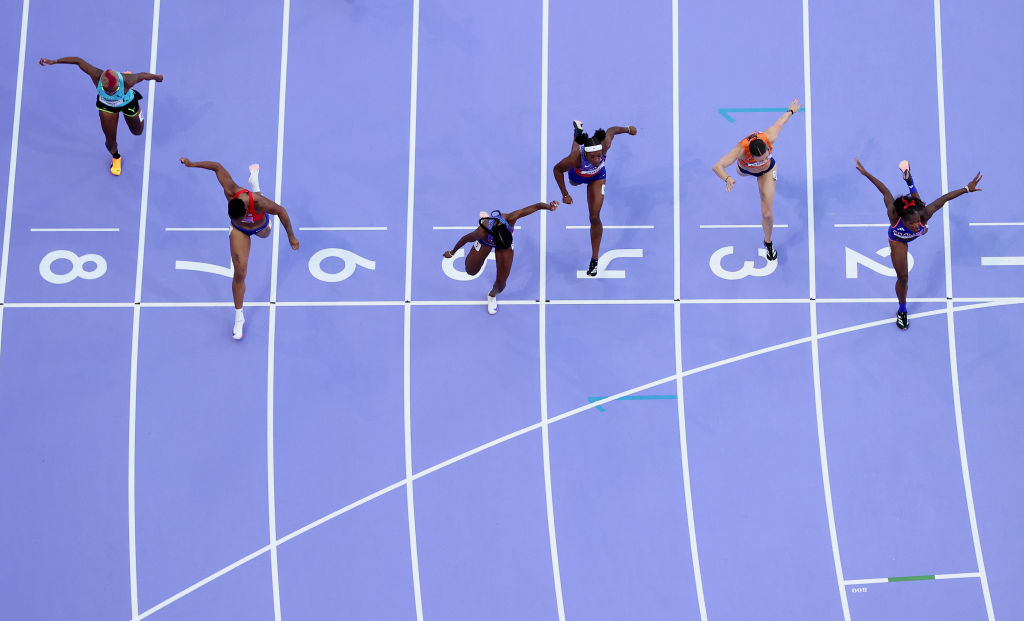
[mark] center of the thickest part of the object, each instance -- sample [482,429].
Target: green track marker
[725,111]
[909,578]
[629,398]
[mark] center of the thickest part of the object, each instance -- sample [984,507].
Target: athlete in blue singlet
[908,220]
[494,232]
[114,95]
[585,165]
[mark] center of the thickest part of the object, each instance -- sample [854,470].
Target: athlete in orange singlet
[249,216]
[753,157]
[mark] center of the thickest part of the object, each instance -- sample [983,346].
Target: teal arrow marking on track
[725,111]
[629,398]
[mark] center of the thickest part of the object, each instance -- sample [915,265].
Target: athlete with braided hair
[908,220]
[585,165]
[494,232]
[114,96]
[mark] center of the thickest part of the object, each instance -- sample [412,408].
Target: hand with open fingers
[973,185]
[860,167]
[729,183]
[795,106]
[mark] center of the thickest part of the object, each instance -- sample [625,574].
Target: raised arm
[614,131]
[131,79]
[89,70]
[525,211]
[727,160]
[569,161]
[938,203]
[886,194]
[226,182]
[476,235]
[773,131]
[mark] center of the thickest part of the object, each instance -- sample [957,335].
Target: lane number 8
[78,265]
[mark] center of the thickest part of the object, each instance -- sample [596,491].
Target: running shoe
[772,254]
[902,322]
[905,169]
[115,166]
[592,270]
[492,305]
[577,129]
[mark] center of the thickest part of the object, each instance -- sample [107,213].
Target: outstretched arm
[886,194]
[132,79]
[476,235]
[727,160]
[89,70]
[773,131]
[562,167]
[937,204]
[226,182]
[614,131]
[525,211]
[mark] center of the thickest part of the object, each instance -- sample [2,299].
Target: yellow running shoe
[115,166]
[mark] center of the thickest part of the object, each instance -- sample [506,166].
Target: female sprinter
[494,231]
[908,220]
[114,95]
[586,165]
[753,157]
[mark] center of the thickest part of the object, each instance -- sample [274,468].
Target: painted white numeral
[351,259]
[209,268]
[78,264]
[608,257]
[449,269]
[854,258]
[747,269]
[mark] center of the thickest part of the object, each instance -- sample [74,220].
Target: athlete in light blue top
[114,96]
[908,220]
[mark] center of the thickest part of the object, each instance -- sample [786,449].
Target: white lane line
[137,312]
[542,310]
[691,525]
[343,228]
[466,228]
[407,354]
[950,323]
[537,425]
[995,223]
[870,225]
[272,321]
[215,229]
[586,227]
[812,285]
[75,230]
[936,577]
[1005,261]
[740,226]
[15,132]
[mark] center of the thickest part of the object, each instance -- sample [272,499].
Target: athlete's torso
[899,232]
[250,217]
[755,163]
[586,167]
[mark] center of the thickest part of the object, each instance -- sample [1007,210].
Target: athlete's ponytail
[500,233]
[585,140]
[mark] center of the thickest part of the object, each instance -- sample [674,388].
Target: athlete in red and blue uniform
[586,166]
[753,158]
[249,216]
[494,233]
[114,96]
[908,220]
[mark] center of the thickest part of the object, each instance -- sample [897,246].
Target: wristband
[967,189]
